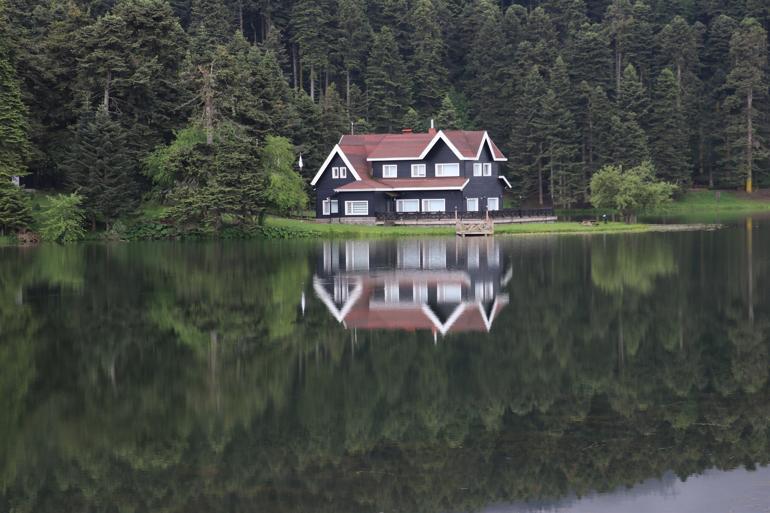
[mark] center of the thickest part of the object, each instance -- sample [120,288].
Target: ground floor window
[356,208]
[330,207]
[493,203]
[449,293]
[408,205]
[433,205]
[472,204]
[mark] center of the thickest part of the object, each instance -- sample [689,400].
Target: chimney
[432,129]
[406,130]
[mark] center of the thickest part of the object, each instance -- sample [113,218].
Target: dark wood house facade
[439,171]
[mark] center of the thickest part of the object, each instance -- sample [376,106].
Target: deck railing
[505,213]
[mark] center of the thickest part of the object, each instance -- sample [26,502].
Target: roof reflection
[439,285]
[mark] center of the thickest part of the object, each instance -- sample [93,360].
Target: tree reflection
[165,377]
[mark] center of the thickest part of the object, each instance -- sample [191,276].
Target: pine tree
[334,117]
[527,141]
[413,120]
[562,136]
[633,102]
[387,84]
[748,84]
[678,46]
[590,57]
[567,16]
[312,32]
[595,123]
[447,117]
[427,64]
[211,24]
[669,144]
[355,35]
[99,168]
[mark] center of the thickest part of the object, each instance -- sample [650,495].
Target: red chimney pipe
[432,129]
[406,130]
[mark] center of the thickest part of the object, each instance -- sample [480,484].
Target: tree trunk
[749,142]
[312,83]
[618,69]
[540,178]
[208,102]
[347,93]
[294,65]
[240,16]
[106,99]
[678,86]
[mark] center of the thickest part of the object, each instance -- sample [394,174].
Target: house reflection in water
[438,285]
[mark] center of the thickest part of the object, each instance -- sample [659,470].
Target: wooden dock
[474,227]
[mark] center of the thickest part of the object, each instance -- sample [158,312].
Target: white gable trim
[440,136]
[501,177]
[339,314]
[335,151]
[488,142]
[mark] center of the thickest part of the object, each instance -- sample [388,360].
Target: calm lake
[616,373]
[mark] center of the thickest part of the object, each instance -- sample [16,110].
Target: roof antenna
[432,130]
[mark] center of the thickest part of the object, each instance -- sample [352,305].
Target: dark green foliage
[101,168]
[15,210]
[668,142]
[387,83]
[308,69]
[447,117]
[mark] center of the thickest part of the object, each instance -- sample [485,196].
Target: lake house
[366,176]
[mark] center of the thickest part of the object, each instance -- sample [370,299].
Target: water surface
[555,373]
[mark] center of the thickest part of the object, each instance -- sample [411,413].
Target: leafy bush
[631,191]
[62,220]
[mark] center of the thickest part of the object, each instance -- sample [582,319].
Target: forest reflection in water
[412,375]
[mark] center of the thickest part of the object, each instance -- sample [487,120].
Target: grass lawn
[709,201]
[348,230]
[7,240]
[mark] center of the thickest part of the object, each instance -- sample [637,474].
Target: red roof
[361,150]
[405,184]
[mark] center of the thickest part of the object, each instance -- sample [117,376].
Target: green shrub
[62,220]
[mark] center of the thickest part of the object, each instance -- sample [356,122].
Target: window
[433,205]
[449,293]
[434,255]
[356,208]
[335,172]
[487,169]
[477,169]
[472,204]
[409,255]
[392,292]
[357,256]
[408,205]
[485,291]
[330,207]
[389,171]
[343,172]
[420,292]
[493,203]
[418,170]
[447,169]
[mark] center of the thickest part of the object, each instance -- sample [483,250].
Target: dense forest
[173,102]
[154,378]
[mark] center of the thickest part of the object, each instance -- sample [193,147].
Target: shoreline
[290,229]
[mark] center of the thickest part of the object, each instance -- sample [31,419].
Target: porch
[502,216]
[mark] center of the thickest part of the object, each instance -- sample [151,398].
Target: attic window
[389,171]
[487,169]
[343,172]
[335,172]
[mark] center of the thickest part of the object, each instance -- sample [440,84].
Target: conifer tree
[527,142]
[447,117]
[669,145]
[99,168]
[427,64]
[413,120]
[387,84]
[567,16]
[334,116]
[748,85]
[355,35]
[561,135]
[678,46]
[313,35]
[590,57]
[632,98]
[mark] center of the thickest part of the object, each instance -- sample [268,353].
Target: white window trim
[349,207]
[467,205]
[442,200]
[487,169]
[400,203]
[335,172]
[497,204]
[477,169]
[443,173]
[330,207]
[343,172]
[419,174]
[393,167]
